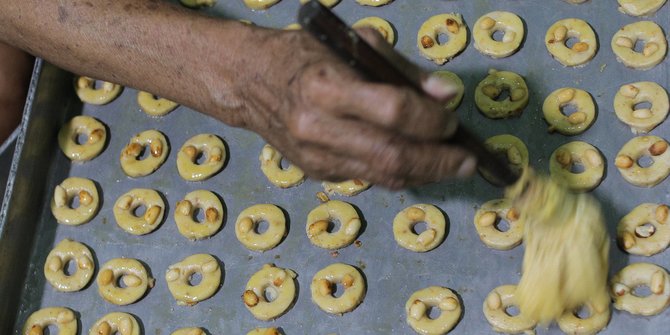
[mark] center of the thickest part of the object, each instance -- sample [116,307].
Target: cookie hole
[120,283]
[419,227]
[501,225]
[98,84]
[433,312]
[270,294]
[642,105]
[338,289]
[139,211]
[646,229]
[70,267]
[504,95]
[200,158]
[81,138]
[645,161]
[198,215]
[568,109]
[146,152]
[261,227]
[333,225]
[442,39]
[194,279]
[577,168]
[498,35]
[582,312]
[641,291]
[512,310]
[571,41]
[50,330]
[74,202]
[639,46]
[284,163]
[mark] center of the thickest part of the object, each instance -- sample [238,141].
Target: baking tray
[28,230]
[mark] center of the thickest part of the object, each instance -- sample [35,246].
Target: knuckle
[391,160]
[301,127]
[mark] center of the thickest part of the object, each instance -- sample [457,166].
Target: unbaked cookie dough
[444,24]
[382,26]
[456,82]
[637,274]
[373,3]
[653,52]
[85,88]
[56,263]
[293,26]
[325,280]
[405,221]
[264,331]
[571,323]
[85,191]
[512,148]
[652,147]
[246,227]
[327,3]
[270,160]
[640,7]
[564,159]
[486,222]
[641,120]
[153,105]
[116,323]
[134,277]
[270,292]
[490,89]
[347,188]
[61,317]
[260,4]
[152,141]
[495,311]
[577,122]
[645,230]
[508,23]
[321,217]
[127,204]
[209,204]
[419,304]
[189,331]
[94,131]
[213,152]
[580,52]
[178,278]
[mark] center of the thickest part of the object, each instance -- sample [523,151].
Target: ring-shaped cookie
[209,204]
[429,239]
[153,105]
[327,3]
[293,26]
[260,4]
[61,317]
[116,323]
[514,151]
[490,89]
[321,217]
[653,52]
[637,274]
[246,227]
[580,52]
[348,188]
[577,122]
[264,331]
[567,156]
[189,331]
[85,191]
[86,91]
[571,323]
[134,277]
[495,306]
[54,266]
[444,24]
[645,230]
[487,218]
[382,26]
[641,120]
[270,160]
[131,159]
[650,146]
[373,3]
[127,204]
[213,152]
[508,23]
[82,125]
[270,292]
[419,304]
[352,282]
[178,278]
[640,7]
[457,83]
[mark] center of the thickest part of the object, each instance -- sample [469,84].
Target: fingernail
[439,88]
[467,168]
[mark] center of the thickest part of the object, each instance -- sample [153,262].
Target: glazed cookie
[347,188]
[495,311]
[81,189]
[270,292]
[321,217]
[131,159]
[61,317]
[456,82]
[382,26]
[293,26]
[487,218]
[325,280]
[640,7]
[653,147]
[271,166]
[444,24]
[246,227]
[580,52]
[116,323]
[637,274]
[198,3]
[153,105]
[260,4]
[512,148]
[405,221]
[507,23]
[641,120]
[87,92]
[419,304]
[577,122]
[134,277]
[490,89]
[566,157]
[213,152]
[571,323]
[264,331]
[645,230]
[209,204]
[86,126]
[189,331]
[655,45]
[327,3]
[178,277]
[373,3]
[127,205]
[56,263]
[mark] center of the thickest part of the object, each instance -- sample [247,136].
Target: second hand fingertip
[439,88]
[467,167]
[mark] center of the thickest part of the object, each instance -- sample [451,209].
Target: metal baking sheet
[461,262]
